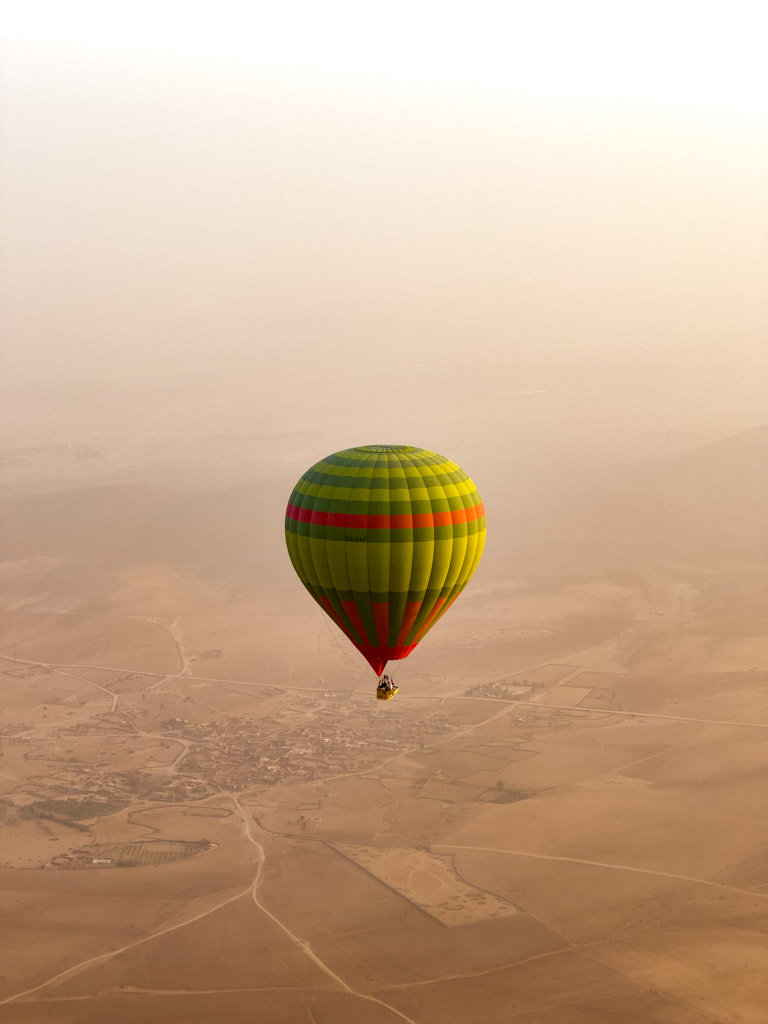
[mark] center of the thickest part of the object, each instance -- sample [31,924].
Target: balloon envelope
[385,538]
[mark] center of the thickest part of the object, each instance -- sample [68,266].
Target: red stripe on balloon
[377,657]
[407,521]
[343,626]
[381,618]
[354,617]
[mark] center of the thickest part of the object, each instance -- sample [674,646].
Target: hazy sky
[493,196]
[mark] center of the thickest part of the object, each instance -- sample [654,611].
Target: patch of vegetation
[76,810]
[61,820]
[69,812]
[9,813]
[139,782]
[152,851]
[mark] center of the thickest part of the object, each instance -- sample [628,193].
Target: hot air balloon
[385,538]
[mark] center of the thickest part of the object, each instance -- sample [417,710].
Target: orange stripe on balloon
[426,623]
[411,611]
[441,605]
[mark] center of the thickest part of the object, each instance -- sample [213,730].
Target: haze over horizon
[378,212]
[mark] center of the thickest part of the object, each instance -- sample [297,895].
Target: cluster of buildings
[241,753]
[502,689]
[85,857]
[298,740]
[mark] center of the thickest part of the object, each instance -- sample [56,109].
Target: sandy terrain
[205,815]
[430,881]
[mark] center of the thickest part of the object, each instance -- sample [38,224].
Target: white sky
[708,53]
[572,191]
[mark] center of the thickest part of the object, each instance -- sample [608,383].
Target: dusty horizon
[182,200]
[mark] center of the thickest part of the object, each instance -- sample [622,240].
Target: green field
[131,855]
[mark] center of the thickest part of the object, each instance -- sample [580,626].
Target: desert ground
[205,816]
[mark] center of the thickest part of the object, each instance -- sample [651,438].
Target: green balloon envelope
[385,538]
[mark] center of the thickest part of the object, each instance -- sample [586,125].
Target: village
[229,755]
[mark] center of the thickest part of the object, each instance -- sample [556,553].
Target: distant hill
[707,507]
[222,534]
